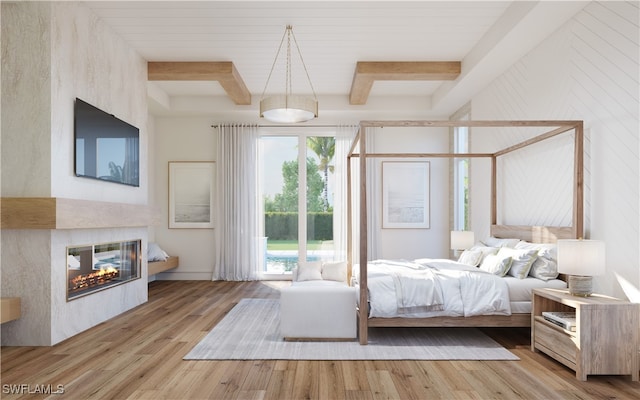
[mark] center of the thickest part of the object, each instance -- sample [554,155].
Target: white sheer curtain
[237,225]
[344,138]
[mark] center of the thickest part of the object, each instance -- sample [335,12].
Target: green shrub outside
[284,225]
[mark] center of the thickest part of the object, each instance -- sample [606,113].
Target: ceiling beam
[222,71]
[369,71]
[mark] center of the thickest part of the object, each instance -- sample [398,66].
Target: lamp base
[580,285]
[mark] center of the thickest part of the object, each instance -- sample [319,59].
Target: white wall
[182,139]
[415,243]
[587,70]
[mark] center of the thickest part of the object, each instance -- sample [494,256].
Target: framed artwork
[405,194]
[191,194]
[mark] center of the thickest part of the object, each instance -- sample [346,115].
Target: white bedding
[466,290]
[522,289]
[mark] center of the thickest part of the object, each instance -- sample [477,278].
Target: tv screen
[106,147]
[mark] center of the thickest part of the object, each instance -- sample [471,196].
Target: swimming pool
[284,262]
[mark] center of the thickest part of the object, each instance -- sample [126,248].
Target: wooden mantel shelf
[61,213]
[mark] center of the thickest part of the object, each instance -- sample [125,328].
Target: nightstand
[606,338]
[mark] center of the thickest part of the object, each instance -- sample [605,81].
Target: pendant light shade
[288,108]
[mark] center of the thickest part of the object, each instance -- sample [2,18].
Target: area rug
[250,331]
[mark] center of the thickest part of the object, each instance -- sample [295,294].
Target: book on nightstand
[566,320]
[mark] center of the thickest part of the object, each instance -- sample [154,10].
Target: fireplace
[96,267]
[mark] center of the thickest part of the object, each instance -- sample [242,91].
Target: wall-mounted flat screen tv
[106,147]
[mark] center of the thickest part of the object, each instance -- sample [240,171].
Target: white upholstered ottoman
[319,305]
[318,310]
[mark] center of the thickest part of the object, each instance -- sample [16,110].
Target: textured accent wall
[90,61]
[587,70]
[26,157]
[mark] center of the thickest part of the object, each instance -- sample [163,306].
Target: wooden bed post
[349,223]
[578,184]
[494,190]
[363,328]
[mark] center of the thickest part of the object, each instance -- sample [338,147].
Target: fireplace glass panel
[91,268]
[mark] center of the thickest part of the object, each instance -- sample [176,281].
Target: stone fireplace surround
[35,235]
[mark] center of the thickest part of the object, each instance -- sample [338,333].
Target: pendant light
[288,108]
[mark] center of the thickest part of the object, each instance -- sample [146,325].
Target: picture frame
[405,194]
[191,193]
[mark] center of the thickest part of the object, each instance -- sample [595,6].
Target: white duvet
[436,287]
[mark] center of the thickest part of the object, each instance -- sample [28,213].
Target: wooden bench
[9,309]
[155,267]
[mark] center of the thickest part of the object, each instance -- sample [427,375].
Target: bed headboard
[533,234]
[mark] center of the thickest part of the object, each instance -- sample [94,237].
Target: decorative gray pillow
[522,260]
[545,266]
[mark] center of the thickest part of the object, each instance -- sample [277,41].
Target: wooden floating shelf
[9,309]
[61,213]
[155,267]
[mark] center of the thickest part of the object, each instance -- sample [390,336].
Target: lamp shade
[462,240]
[288,109]
[581,257]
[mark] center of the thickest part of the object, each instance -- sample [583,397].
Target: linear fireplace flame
[94,279]
[92,268]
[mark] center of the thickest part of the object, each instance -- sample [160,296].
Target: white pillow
[498,242]
[310,271]
[545,266]
[496,265]
[155,253]
[335,271]
[548,250]
[471,257]
[521,260]
[485,250]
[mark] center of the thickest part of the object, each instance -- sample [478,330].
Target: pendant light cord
[288,33]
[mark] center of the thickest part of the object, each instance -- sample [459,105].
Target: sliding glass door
[296,186]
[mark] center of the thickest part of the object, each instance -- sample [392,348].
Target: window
[296,188]
[461,177]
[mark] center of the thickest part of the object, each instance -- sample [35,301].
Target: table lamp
[581,260]
[461,240]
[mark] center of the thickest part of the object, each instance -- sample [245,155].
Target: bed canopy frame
[536,234]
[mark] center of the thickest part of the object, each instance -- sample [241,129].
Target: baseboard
[185,276]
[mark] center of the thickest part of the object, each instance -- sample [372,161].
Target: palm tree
[325,148]
[116,172]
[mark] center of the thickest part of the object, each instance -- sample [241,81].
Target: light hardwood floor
[138,355]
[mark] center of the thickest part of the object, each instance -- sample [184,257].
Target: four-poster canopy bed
[533,234]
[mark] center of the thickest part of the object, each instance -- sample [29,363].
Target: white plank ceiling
[333,36]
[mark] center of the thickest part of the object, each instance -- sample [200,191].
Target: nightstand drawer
[556,341]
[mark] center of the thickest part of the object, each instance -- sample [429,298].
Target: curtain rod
[295,126]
